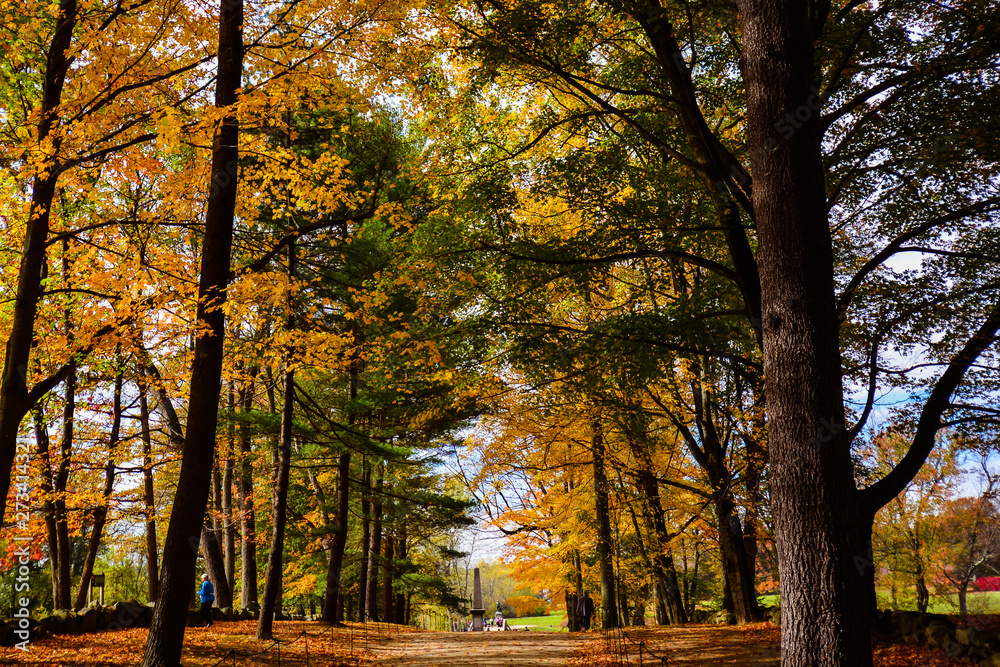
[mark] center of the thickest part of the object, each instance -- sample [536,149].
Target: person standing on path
[207,594]
[584,610]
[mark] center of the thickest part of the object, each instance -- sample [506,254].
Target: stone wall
[939,632]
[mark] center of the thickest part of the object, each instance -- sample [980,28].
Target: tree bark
[819,523]
[101,513]
[148,497]
[166,634]
[272,581]
[609,607]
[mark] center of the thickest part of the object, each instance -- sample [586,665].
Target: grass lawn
[551,623]
[980,602]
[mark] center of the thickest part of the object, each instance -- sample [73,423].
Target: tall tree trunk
[14,395]
[275,557]
[366,529]
[148,497]
[609,608]
[248,518]
[166,634]
[101,513]
[336,565]
[668,593]
[375,550]
[819,519]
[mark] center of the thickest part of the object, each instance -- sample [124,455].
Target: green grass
[550,623]
[979,602]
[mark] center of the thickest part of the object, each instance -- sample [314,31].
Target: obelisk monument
[477,602]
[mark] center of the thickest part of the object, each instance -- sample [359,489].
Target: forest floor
[755,645]
[304,643]
[224,644]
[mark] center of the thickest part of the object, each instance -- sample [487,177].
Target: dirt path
[485,649]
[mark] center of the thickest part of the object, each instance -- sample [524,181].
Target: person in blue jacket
[207,594]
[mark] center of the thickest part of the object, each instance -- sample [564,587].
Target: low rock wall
[940,632]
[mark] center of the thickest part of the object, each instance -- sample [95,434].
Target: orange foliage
[202,646]
[528,605]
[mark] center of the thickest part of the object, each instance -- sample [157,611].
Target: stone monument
[477,602]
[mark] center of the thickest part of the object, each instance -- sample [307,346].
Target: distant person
[584,610]
[207,594]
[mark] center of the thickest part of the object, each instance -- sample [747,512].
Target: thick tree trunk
[148,497]
[248,518]
[609,607]
[14,398]
[375,550]
[819,521]
[272,580]
[166,634]
[101,513]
